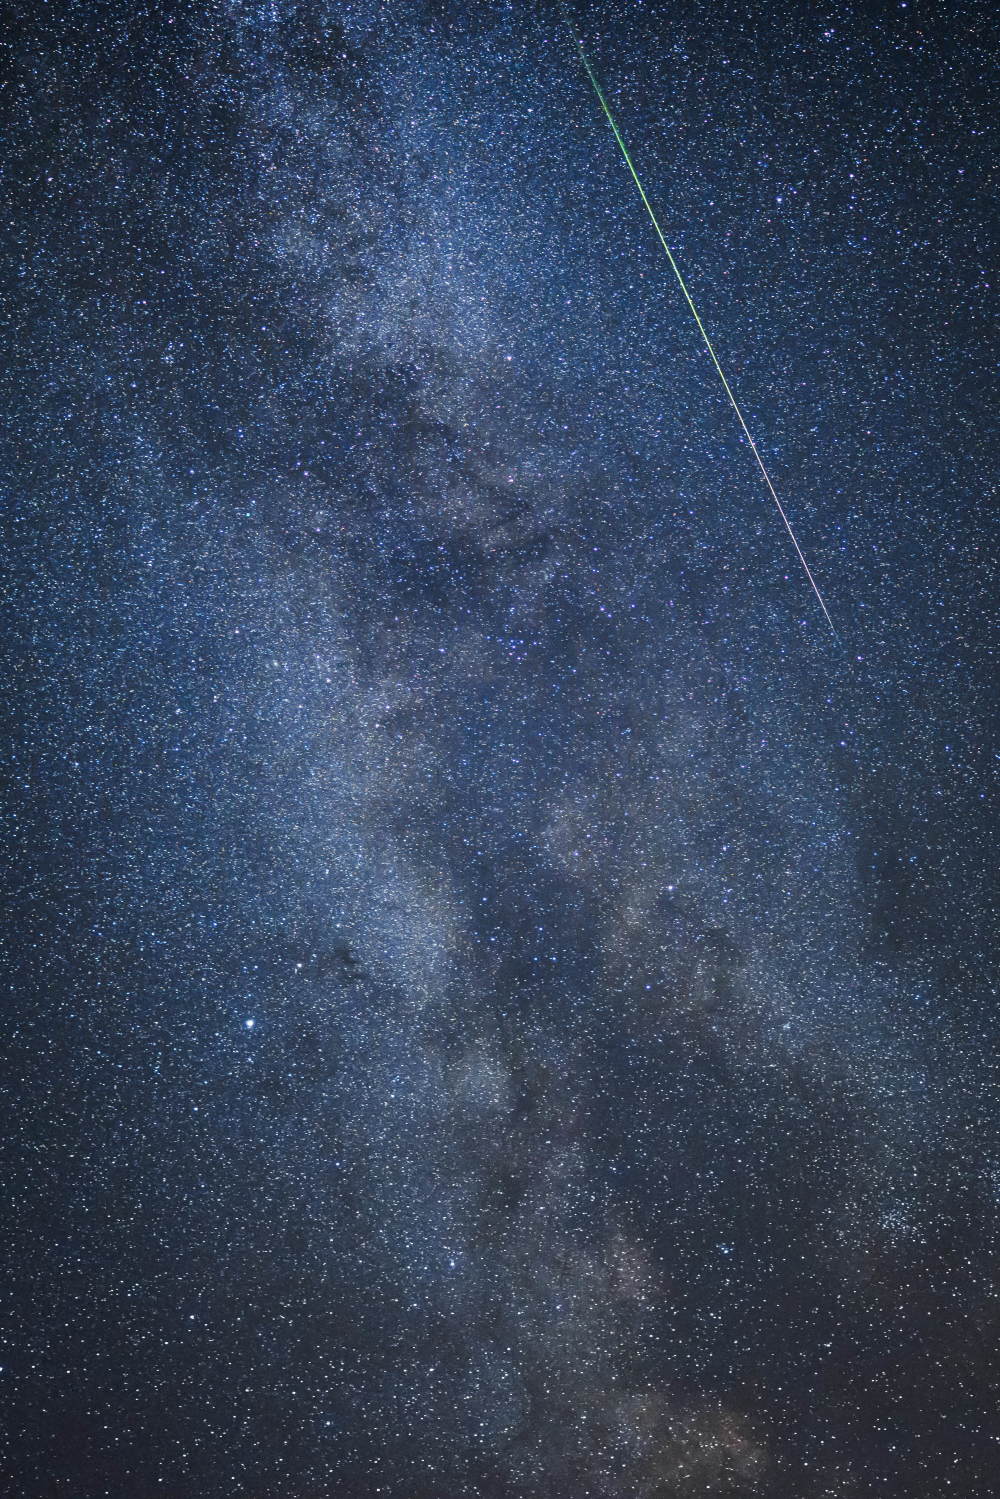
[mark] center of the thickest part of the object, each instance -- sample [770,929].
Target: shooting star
[694,313]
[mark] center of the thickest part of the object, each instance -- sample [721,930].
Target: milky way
[499,999]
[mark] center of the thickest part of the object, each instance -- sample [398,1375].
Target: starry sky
[498,997]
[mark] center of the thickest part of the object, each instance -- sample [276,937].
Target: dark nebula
[499,1000]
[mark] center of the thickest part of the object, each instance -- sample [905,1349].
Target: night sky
[498,997]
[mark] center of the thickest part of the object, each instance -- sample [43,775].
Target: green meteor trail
[694,312]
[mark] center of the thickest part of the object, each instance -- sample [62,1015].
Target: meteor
[694,313]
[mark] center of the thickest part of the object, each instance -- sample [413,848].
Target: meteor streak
[694,313]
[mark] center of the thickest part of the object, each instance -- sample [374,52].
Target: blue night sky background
[500,1001]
